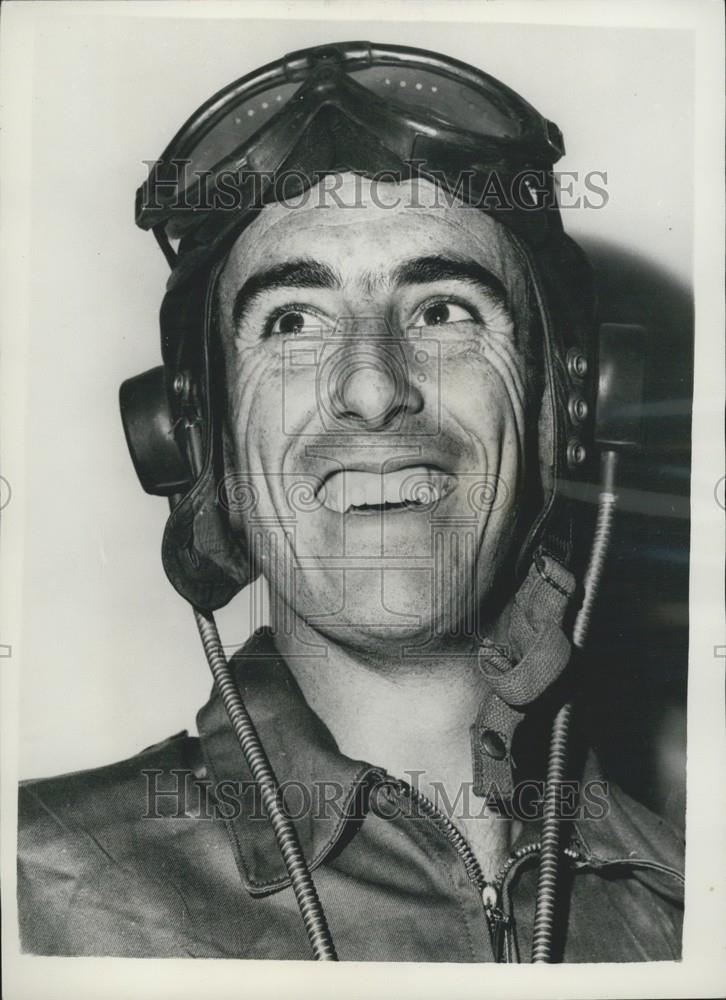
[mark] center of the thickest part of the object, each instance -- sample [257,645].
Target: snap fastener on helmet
[576,453]
[578,409]
[181,384]
[576,363]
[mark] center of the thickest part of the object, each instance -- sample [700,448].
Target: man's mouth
[416,487]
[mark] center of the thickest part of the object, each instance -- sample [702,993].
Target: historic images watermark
[181,793]
[179,188]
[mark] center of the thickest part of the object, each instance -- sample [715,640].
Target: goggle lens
[237,126]
[458,104]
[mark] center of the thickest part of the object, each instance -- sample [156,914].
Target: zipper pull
[498,920]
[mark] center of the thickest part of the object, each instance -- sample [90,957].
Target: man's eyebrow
[299,273]
[424,270]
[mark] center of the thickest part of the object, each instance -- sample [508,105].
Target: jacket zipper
[498,920]
[491,893]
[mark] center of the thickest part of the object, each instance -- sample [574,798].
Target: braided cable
[287,840]
[607,502]
[550,854]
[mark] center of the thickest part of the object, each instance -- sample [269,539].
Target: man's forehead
[351,199]
[391,219]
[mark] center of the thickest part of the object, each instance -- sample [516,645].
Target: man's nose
[371,387]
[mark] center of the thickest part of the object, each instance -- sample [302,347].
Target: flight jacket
[169,853]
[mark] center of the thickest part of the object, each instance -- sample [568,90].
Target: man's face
[374,437]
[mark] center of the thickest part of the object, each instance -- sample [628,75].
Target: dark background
[634,701]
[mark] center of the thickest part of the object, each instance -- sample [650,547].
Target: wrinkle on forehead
[350,200]
[342,199]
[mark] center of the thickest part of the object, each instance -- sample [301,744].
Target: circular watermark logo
[5,492]
[719,492]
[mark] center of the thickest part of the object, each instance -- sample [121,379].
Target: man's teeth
[418,485]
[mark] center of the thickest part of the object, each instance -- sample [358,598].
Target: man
[378,374]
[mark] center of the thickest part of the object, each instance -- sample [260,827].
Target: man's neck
[409,715]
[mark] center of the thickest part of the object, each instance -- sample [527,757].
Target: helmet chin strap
[535,655]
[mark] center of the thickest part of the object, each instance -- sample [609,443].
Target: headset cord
[308,901]
[287,840]
[550,853]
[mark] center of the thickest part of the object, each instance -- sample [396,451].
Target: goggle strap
[166,248]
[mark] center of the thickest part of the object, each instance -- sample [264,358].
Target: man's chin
[390,614]
[389,644]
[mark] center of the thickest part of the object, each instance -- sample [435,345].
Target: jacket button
[492,744]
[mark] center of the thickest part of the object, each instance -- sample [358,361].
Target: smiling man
[394,446]
[379,352]
[371,395]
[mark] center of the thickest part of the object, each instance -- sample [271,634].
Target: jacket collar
[304,757]
[325,789]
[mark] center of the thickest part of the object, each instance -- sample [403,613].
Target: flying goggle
[350,106]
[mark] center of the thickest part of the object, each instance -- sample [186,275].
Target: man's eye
[440,313]
[293,322]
